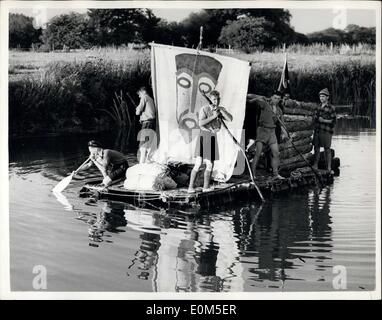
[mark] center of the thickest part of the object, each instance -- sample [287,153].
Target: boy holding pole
[207,148]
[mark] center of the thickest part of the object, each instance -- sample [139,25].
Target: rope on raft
[135,196]
[296,174]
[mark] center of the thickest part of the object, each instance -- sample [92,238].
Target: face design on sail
[195,73]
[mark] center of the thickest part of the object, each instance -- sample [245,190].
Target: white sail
[179,75]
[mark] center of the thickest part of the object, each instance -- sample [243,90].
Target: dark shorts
[266,135]
[117,171]
[322,139]
[207,146]
[148,124]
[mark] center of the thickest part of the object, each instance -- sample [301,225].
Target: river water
[295,242]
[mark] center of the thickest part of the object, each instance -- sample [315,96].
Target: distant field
[33,64]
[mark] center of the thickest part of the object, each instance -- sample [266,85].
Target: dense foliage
[249,34]
[352,34]
[22,33]
[66,31]
[242,29]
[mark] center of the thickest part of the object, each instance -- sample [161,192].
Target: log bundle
[299,107]
[294,151]
[298,111]
[298,118]
[300,135]
[297,143]
[294,162]
[298,122]
[310,106]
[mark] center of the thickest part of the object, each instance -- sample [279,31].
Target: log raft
[298,117]
[237,189]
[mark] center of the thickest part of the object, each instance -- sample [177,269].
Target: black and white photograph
[183,149]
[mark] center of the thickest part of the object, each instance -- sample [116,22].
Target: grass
[53,91]
[327,49]
[40,61]
[350,79]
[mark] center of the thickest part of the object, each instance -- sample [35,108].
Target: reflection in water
[110,218]
[351,127]
[290,243]
[212,252]
[63,200]
[320,218]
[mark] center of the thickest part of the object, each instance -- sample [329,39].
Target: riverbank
[51,92]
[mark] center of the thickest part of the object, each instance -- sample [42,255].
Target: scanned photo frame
[190,150]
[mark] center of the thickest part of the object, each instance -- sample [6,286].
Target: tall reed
[74,97]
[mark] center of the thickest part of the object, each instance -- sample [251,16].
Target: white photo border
[5,290]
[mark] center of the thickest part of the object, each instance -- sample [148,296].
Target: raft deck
[236,189]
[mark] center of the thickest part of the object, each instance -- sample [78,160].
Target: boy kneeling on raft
[207,149]
[112,164]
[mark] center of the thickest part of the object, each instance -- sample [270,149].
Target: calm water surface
[290,243]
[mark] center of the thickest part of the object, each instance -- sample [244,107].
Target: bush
[66,31]
[22,32]
[248,34]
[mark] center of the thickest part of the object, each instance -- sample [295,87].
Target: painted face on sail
[195,73]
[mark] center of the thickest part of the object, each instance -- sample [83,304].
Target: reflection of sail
[140,220]
[199,258]
[175,268]
[228,265]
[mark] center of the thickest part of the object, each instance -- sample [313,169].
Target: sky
[303,20]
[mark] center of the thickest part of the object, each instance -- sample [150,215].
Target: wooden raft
[237,189]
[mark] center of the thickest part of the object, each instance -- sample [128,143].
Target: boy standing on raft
[324,122]
[146,111]
[266,134]
[207,145]
[111,163]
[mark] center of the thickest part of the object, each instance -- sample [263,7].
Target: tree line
[243,29]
